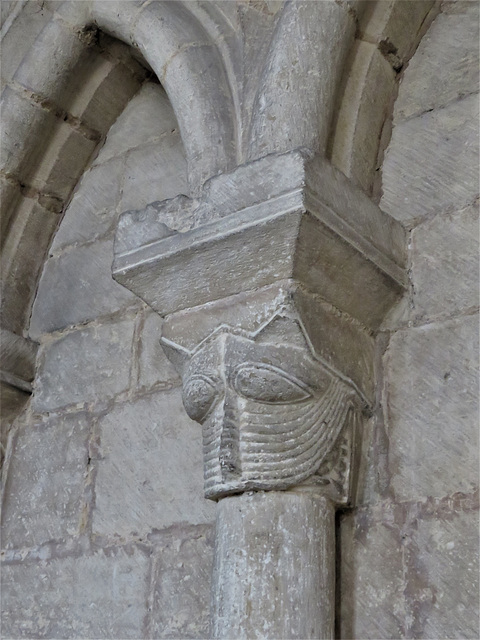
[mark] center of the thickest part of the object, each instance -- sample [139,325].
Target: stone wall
[105,529]
[106,533]
[409,565]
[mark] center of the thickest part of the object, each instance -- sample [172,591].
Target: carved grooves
[229,446]
[268,446]
[276,447]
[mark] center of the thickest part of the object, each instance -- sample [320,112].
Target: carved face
[270,413]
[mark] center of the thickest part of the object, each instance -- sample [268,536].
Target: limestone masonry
[239,321]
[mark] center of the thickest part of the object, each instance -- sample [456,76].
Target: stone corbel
[272,285]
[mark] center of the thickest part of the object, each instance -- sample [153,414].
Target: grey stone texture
[147,117]
[24,29]
[77,287]
[91,212]
[397,567]
[274,573]
[155,171]
[431,404]
[13,401]
[243,78]
[301,219]
[17,356]
[444,251]
[142,160]
[84,366]
[149,468]
[450,48]
[155,369]
[409,560]
[444,552]
[19,278]
[442,145]
[363,107]
[99,595]
[371,594]
[45,486]
[182,569]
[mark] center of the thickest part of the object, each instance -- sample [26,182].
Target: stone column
[272,286]
[274,567]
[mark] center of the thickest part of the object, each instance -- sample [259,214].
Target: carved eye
[265,383]
[199,394]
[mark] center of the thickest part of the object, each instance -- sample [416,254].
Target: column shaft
[274,573]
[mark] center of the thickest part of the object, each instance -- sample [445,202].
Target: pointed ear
[178,356]
[282,329]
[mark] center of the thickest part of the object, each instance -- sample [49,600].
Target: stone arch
[193,53]
[346,149]
[186,60]
[387,35]
[56,114]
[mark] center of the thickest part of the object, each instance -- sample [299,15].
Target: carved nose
[229,439]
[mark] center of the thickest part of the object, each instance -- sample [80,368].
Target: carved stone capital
[272,285]
[274,414]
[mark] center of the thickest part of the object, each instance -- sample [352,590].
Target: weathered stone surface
[148,116]
[395,25]
[442,575]
[316,228]
[432,161]
[431,401]
[13,401]
[154,366]
[106,14]
[274,567]
[45,482]
[29,237]
[371,577]
[363,111]
[182,576]
[10,196]
[107,85]
[85,366]
[255,23]
[53,166]
[92,211]
[95,596]
[17,359]
[85,78]
[184,54]
[57,41]
[149,473]
[5,10]
[430,588]
[77,287]
[24,28]
[301,59]
[156,171]
[306,36]
[464,7]
[62,162]
[444,67]
[26,119]
[444,252]
[272,413]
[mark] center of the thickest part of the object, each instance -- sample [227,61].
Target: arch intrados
[171,39]
[183,54]
[193,87]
